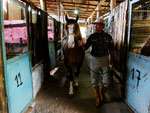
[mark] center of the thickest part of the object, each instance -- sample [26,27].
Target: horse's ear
[77,17]
[66,17]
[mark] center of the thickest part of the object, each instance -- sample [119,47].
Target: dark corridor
[53,96]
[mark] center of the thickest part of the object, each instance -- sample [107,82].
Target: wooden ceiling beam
[52,6]
[84,6]
[48,3]
[77,4]
[101,2]
[67,7]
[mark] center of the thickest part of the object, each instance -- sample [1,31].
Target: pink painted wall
[13,34]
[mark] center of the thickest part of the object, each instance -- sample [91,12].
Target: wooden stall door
[51,45]
[3,105]
[138,76]
[18,79]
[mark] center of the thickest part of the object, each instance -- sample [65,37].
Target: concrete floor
[53,96]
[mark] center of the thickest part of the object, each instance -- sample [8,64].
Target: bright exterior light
[39,13]
[4,4]
[76,11]
[29,8]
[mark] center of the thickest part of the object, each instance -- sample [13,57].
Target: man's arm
[86,45]
[111,51]
[112,59]
[80,43]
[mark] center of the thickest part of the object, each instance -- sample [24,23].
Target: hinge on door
[7,99]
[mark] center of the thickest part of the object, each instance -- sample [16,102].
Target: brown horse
[73,54]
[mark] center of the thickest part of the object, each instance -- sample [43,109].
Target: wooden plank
[83,4]
[112,4]
[3,106]
[98,13]
[14,11]
[43,5]
[141,21]
[77,6]
[141,11]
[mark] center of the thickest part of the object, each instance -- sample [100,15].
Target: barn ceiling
[84,7]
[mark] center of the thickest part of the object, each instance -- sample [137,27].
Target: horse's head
[73,31]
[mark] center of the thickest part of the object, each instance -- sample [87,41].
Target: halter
[75,35]
[72,34]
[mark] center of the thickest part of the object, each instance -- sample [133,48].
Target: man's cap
[99,21]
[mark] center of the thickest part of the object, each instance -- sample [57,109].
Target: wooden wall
[14,11]
[3,107]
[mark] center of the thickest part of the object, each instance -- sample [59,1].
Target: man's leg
[94,70]
[97,95]
[103,92]
[105,77]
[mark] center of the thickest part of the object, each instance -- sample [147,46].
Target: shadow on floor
[53,96]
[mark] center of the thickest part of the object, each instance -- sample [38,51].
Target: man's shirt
[101,44]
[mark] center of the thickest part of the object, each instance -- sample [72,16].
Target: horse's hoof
[71,95]
[76,87]
[99,104]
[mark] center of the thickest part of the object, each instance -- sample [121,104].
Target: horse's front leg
[70,77]
[76,83]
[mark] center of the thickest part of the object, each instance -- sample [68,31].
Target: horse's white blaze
[71,26]
[71,42]
[71,88]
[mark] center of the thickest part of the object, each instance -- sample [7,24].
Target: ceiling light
[76,11]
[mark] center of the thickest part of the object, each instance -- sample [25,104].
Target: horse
[73,54]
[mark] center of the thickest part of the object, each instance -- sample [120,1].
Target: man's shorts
[99,69]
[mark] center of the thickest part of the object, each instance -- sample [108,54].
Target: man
[102,45]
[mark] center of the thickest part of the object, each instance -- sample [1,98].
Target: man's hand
[112,67]
[80,43]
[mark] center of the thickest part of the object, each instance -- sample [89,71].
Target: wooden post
[98,12]
[58,9]
[5,9]
[43,5]
[88,21]
[112,4]
[3,105]
[62,16]
[91,19]
[101,2]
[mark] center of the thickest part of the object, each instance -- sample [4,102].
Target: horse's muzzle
[71,45]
